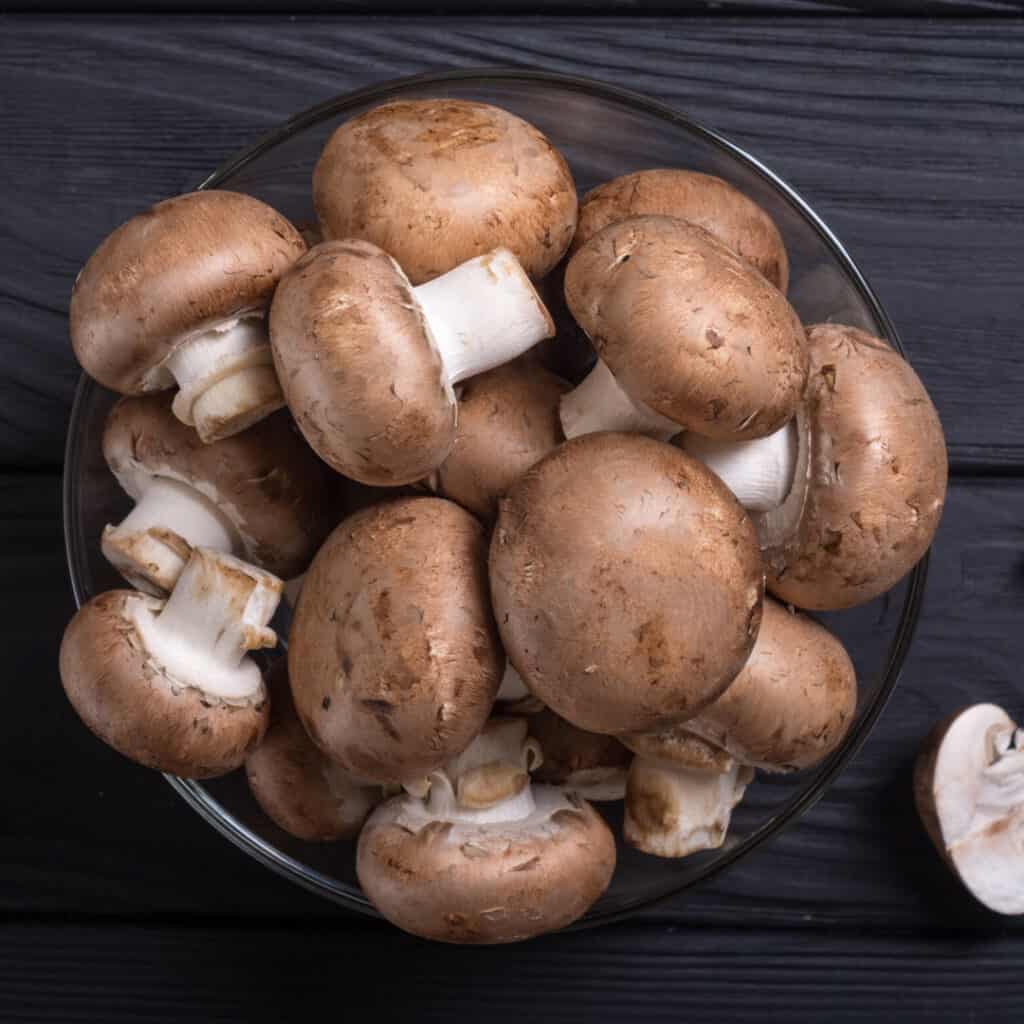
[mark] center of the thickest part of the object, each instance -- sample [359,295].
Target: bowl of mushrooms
[495,501]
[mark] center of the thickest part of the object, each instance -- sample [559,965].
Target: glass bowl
[603,131]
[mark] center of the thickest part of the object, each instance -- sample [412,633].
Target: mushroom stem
[673,811]
[442,804]
[226,379]
[599,403]
[151,545]
[217,612]
[760,473]
[483,314]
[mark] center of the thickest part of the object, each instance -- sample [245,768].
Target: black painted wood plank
[85,833]
[907,136]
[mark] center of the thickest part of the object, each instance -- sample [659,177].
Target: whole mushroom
[686,330]
[261,495]
[507,420]
[627,583]
[368,363]
[298,787]
[168,683]
[437,182]
[969,788]
[484,856]
[393,653]
[177,297]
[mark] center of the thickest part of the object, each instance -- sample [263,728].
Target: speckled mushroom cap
[876,479]
[502,882]
[295,783]
[393,653]
[131,704]
[702,199]
[627,583]
[688,327]
[678,745]
[169,273]
[792,703]
[437,182]
[358,367]
[508,419]
[274,491]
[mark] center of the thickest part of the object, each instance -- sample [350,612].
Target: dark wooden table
[119,904]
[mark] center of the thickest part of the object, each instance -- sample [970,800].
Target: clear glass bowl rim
[292,869]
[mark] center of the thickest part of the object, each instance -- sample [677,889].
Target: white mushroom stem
[599,403]
[673,811]
[225,377]
[151,545]
[760,472]
[483,314]
[217,612]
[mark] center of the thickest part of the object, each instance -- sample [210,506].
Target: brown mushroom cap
[572,755]
[688,327]
[394,657]
[437,182]
[508,419]
[503,882]
[132,705]
[627,583]
[357,365]
[876,479]
[294,782]
[274,491]
[677,744]
[171,272]
[702,199]
[792,703]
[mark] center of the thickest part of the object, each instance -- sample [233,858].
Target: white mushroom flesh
[674,811]
[150,546]
[482,314]
[599,403]
[217,612]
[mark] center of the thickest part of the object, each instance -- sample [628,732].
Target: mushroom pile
[513,594]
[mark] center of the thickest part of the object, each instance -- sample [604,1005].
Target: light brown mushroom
[484,856]
[261,495]
[508,419]
[368,363]
[589,764]
[393,653]
[627,583]
[686,330]
[969,788]
[168,684]
[177,296]
[793,701]
[298,787]
[702,199]
[680,793]
[438,182]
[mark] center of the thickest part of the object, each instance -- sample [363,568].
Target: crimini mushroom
[687,329]
[969,787]
[627,583]
[368,362]
[587,763]
[437,182]
[485,857]
[168,683]
[793,701]
[680,793]
[296,784]
[702,199]
[874,480]
[177,296]
[393,653]
[261,495]
[508,419]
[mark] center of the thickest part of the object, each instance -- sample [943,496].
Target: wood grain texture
[907,137]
